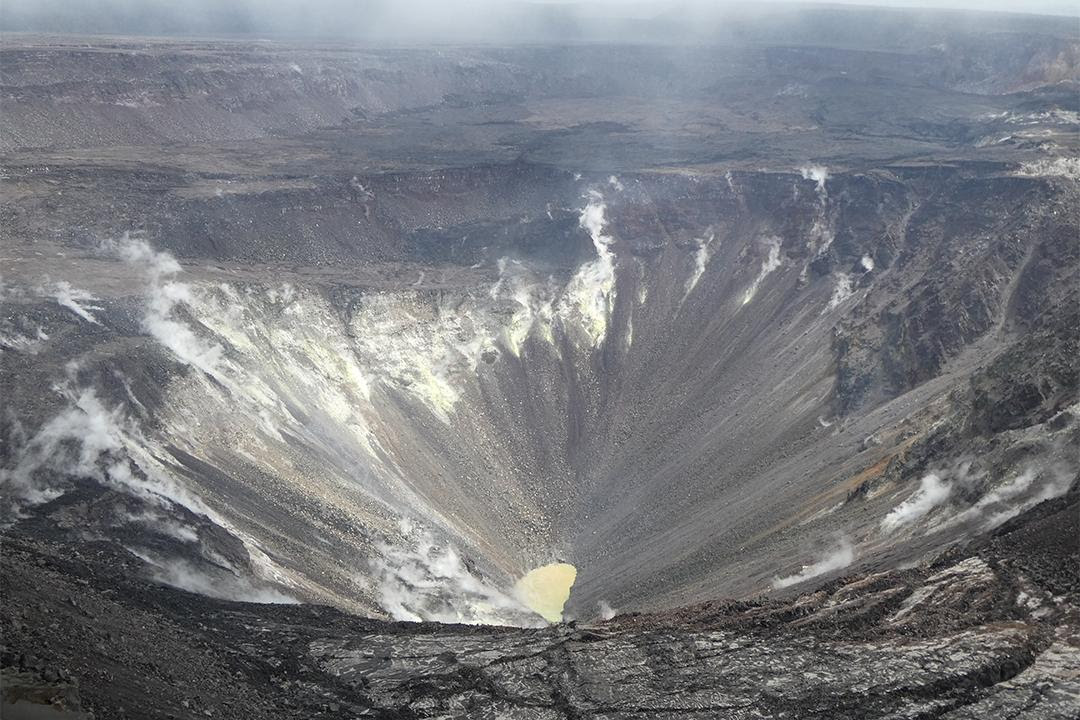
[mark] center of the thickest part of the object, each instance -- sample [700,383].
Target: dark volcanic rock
[980,631]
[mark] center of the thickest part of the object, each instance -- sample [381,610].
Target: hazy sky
[635,7]
[493,20]
[1050,7]
[1053,7]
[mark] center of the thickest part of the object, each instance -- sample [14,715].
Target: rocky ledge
[990,629]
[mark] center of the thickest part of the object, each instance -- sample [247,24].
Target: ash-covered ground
[775,342]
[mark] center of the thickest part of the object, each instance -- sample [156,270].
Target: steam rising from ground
[590,294]
[90,439]
[431,353]
[701,260]
[933,491]
[844,287]
[23,343]
[821,233]
[182,574]
[771,262]
[70,297]
[164,296]
[422,579]
[533,302]
[1006,501]
[1024,488]
[840,556]
[70,442]
[819,174]
[581,309]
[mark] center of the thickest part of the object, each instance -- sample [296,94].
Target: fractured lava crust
[475,356]
[977,630]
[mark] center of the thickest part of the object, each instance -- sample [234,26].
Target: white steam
[1009,490]
[845,282]
[71,298]
[582,308]
[182,574]
[770,263]
[842,555]
[590,294]
[532,300]
[23,343]
[69,443]
[933,491]
[423,580]
[701,261]
[1007,500]
[821,233]
[819,174]
[1016,491]
[89,439]
[606,611]
[161,523]
[164,297]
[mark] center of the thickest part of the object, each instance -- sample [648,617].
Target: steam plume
[590,294]
[70,297]
[839,557]
[770,263]
[182,574]
[932,492]
[701,260]
[819,174]
[421,579]
[164,296]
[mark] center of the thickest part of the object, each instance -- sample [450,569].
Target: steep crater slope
[701,376]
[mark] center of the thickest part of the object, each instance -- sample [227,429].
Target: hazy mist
[493,21]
